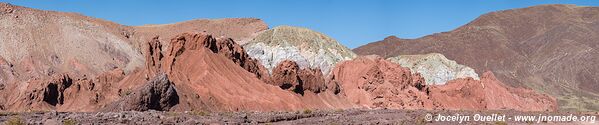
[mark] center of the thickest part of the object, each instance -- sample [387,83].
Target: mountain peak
[392,37]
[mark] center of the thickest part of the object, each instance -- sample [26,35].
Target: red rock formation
[216,74]
[502,96]
[377,83]
[189,42]
[313,80]
[285,75]
[35,95]
[228,48]
[467,94]
[62,92]
[490,94]
[289,76]
[153,56]
[52,92]
[92,94]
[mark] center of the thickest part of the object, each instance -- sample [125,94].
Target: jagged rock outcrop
[215,75]
[62,92]
[158,94]
[377,83]
[52,91]
[489,94]
[313,80]
[434,67]
[153,56]
[287,75]
[549,48]
[222,46]
[309,49]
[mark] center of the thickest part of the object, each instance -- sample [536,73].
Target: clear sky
[353,23]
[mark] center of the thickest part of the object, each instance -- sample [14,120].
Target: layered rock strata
[309,49]
[434,67]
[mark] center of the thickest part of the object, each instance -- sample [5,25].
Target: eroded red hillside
[377,83]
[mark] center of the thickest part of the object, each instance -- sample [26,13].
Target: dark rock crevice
[158,94]
[53,93]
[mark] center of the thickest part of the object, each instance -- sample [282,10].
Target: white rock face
[434,67]
[309,49]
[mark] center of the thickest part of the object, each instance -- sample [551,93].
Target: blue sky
[353,23]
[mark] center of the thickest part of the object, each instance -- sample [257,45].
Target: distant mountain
[550,48]
[434,67]
[308,48]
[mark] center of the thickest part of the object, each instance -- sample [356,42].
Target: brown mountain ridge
[550,48]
